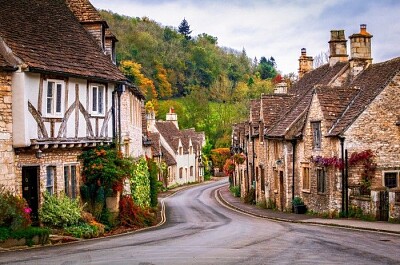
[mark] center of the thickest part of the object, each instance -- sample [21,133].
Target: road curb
[228,205]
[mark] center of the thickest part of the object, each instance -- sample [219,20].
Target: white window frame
[96,106]
[54,103]
[397,172]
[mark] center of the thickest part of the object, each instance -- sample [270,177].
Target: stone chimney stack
[172,116]
[305,63]
[281,88]
[360,50]
[151,120]
[337,47]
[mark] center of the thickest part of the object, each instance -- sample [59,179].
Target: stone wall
[7,157]
[57,158]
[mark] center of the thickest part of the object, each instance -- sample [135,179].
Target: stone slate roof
[46,36]
[155,143]
[369,84]
[169,159]
[84,11]
[170,133]
[4,65]
[302,93]
[198,138]
[272,106]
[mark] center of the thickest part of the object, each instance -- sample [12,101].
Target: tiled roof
[155,143]
[169,159]
[4,65]
[272,107]
[47,37]
[170,133]
[84,11]
[370,83]
[302,95]
[197,138]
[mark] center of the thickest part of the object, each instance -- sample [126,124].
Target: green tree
[184,29]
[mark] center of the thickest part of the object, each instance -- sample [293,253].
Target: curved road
[201,231]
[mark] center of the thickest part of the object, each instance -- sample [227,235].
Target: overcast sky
[278,28]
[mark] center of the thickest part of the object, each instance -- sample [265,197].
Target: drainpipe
[346,184]
[341,138]
[294,142]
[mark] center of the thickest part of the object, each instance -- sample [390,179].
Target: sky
[277,28]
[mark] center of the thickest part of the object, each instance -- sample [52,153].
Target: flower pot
[300,209]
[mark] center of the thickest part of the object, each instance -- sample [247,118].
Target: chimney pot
[303,51]
[363,29]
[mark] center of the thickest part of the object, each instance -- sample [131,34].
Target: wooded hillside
[208,85]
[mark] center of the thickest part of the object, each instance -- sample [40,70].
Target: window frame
[70,184]
[181,172]
[321,189]
[94,103]
[397,172]
[305,178]
[56,109]
[52,178]
[316,134]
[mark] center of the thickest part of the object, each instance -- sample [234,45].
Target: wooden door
[30,191]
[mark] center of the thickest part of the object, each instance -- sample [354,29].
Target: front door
[30,189]
[383,209]
[281,191]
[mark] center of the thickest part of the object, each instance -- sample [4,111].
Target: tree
[184,29]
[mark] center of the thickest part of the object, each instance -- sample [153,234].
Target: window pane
[94,97]
[73,182]
[49,106]
[101,99]
[66,180]
[391,179]
[50,179]
[50,86]
[58,102]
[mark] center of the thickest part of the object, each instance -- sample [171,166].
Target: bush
[154,183]
[235,190]
[132,215]
[15,212]
[297,201]
[28,233]
[59,211]
[250,197]
[85,230]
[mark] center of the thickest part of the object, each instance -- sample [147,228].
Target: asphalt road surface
[201,231]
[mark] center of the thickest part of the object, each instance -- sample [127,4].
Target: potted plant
[298,205]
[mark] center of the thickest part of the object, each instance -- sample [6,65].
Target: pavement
[226,197]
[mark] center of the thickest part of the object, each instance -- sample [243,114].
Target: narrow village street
[198,230]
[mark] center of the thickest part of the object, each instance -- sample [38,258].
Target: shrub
[235,190]
[59,211]
[140,183]
[15,212]
[250,197]
[154,183]
[297,201]
[84,230]
[28,233]
[132,215]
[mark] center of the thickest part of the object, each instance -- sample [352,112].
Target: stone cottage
[60,93]
[179,149]
[347,106]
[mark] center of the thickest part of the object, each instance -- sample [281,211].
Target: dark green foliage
[154,183]
[28,233]
[184,29]
[82,230]
[250,197]
[235,190]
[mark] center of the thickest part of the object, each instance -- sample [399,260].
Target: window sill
[306,191]
[97,115]
[321,193]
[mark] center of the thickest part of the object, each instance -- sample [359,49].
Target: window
[262,179]
[276,180]
[180,150]
[180,172]
[54,97]
[306,178]
[190,150]
[97,99]
[321,180]
[50,175]
[191,171]
[70,181]
[316,131]
[391,179]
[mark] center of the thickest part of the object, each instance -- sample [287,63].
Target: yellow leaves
[164,87]
[133,71]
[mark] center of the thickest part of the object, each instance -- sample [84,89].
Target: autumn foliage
[219,156]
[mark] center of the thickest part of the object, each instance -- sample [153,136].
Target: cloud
[274,27]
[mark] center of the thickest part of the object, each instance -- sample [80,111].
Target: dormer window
[97,99]
[54,95]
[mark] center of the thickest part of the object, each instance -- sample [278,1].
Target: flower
[27,210]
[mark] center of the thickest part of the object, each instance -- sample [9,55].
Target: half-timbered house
[66,92]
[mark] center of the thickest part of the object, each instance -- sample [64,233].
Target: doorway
[281,190]
[30,191]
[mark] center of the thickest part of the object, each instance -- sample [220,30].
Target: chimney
[360,50]
[305,63]
[281,88]
[172,116]
[151,120]
[337,47]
